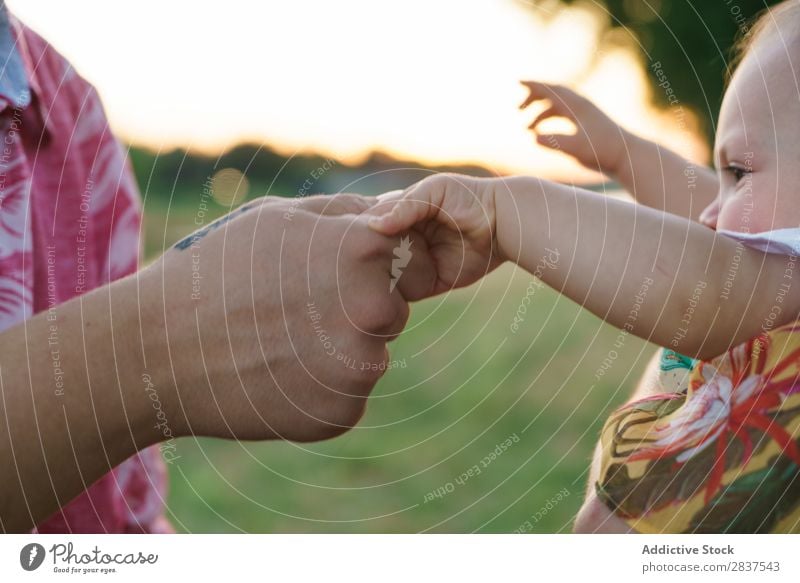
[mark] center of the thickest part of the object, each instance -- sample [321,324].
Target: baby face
[757,148]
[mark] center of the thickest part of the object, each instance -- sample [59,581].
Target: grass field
[480,428]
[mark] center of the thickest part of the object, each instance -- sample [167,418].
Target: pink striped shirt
[69,222]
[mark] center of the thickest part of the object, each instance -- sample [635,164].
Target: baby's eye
[738,172]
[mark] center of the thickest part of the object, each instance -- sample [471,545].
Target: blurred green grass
[469,384]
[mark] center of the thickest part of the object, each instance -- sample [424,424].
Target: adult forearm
[73,403]
[656,275]
[662,179]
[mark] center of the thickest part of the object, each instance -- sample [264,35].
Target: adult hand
[345,203]
[273,322]
[265,324]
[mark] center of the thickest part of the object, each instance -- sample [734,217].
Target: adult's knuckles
[402,313]
[365,244]
[375,313]
[338,417]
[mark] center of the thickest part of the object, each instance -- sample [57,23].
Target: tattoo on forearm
[190,240]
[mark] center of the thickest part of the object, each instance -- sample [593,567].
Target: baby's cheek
[736,215]
[749,212]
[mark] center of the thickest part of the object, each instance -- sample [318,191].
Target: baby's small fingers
[392,222]
[406,212]
[384,203]
[538,91]
[552,111]
[379,209]
[534,93]
[528,100]
[554,141]
[390,196]
[568,143]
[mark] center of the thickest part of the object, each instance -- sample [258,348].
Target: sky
[430,80]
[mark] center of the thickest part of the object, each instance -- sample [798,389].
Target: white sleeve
[780,241]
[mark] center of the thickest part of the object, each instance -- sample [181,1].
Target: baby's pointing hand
[598,142]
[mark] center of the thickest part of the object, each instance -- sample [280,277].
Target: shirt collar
[23,83]
[15,87]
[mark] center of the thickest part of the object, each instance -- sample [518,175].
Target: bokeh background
[480,427]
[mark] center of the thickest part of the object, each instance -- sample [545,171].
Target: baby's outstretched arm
[654,175]
[654,274]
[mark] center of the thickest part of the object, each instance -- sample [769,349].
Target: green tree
[692,40]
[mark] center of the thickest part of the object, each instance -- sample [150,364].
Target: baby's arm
[657,275]
[654,175]
[662,179]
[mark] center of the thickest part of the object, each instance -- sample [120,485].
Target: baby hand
[456,216]
[413,272]
[598,143]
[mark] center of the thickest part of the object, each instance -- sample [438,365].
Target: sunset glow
[438,82]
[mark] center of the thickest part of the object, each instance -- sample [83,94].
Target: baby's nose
[710,215]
